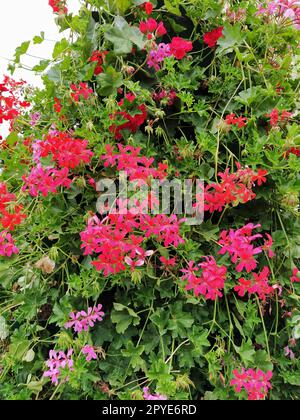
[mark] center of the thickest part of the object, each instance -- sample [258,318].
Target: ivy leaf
[21,50]
[59,48]
[232,37]
[124,36]
[123,317]
[38,39]
[109,81]
[134,353]
[246,352]
[18,348]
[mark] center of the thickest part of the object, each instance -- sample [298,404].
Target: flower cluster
[89,352]
[163,95]
[98,57]
[10,214]
[132,122]
[57,362]
[255,382]
[233,189]
[148,396]
[138,168]
[115,241]
[82,320]
[276,116]
[7,245]
[295,278]
[11,103]
[284,9]
[211,38]
[58,6]
[45,180]
[152,28]
[232,119]
[65,151]
[157,55]
[258,285]
[211,281]
[239,245]
[81,91]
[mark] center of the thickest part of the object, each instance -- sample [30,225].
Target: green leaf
[59,48]
[232,37]
[38,39]
[123,317]
[109,81]
[18,348]
[124,36]
[246,352]
[21,50]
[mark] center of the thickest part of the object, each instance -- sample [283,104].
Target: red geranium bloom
[58,6]
[295,277]
[148,6]
[57,105]
[180,47]
[152,26]
[211,38]
[99,58]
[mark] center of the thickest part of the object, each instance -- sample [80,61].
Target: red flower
[99,58]
[211,38]
[152,26]
[133,122]
[293,151]
[65,150]
[179,47]
[295,277]
[57,105]
[275,116]
[168,262]
[232,119]
[81,91]
[58,6]
[148,6]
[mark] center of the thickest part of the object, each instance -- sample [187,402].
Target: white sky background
[21,20]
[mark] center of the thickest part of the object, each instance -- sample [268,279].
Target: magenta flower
[148,396]
[89,352]
[81,321]
[56,362]
[7,245]
[255,382]
[210,282]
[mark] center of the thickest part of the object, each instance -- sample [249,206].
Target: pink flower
[211,281]
[255,382]
[239,245]
[289,353]
[7,245]
[180,47]
[258,285]
[295,277]
[81,321]
[148,396]
[157,55]
[58,361]
[45,180]
[89,352]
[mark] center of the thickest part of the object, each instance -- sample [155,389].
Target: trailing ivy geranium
[140,304]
